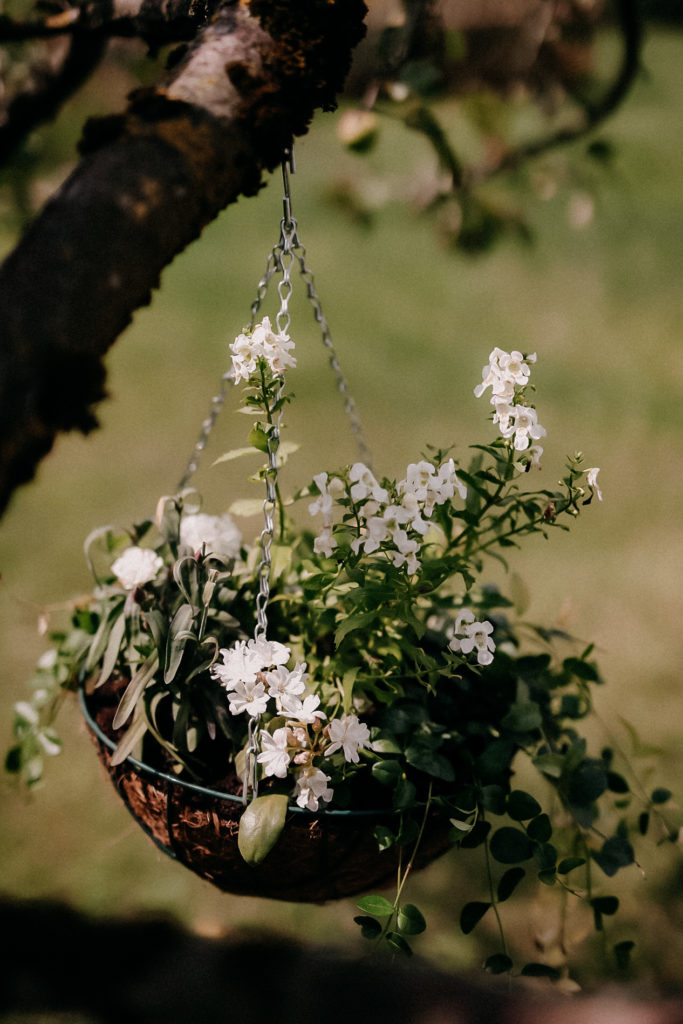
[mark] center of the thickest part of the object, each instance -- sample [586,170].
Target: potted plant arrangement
[346,699]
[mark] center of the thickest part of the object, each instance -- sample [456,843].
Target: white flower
[274,755]
[349,734]
[503,372]
[406,551]
[218,535]
[365,485]
[269,651]
[535,451]
[592,480]
[477,635]
[304,711]
[240,664]
[524,427]
[137,566]
[261,343]
[282,683]
[324,543]
[243,662]
[311,788]
[250,697]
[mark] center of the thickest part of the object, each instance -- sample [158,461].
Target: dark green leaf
[605,904]
[509,882]
[522,806]
[471,915]
[351,622]
[581,669]
[643,823]
[622,954]
[477,836]
[616,853]
[404,794]
[493,799]
[384,836]
[387,772]
[587,783]
[378,906]
[260,826]
[660,796]
[548,876]
[430,762]
[540,829]
[617,783]
[498,964]
[523,717]
[510,845]
[569,863]
[398,943]
[546,856]
[370,928]
[410,920]
[540,971]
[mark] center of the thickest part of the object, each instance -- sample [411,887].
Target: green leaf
[540,829]
[622,954]
[660,795]
[398,943]
[113,649]
[260,826]
[178,635]
[347,688]
[387,772]
[550,765]
[378,906]
[258,438]
[616,852]
[524,716]
[234,453]
[135,687]
[499,963]
[430,762]
[370,928]
[510,845]
[605,904]
[540,971]
[384,836]
[587,783]
[509,882]
[404,794]
[409,920]
[522,806]
[569,863]
[129,741]
[352,622]
[471,915]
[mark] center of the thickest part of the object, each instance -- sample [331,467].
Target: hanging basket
[318,857]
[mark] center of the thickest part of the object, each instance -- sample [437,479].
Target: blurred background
[576,255]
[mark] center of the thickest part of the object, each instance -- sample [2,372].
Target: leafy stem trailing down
[388,676]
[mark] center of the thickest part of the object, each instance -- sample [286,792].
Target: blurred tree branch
[149,180]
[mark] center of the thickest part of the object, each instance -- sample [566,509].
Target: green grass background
[413,324]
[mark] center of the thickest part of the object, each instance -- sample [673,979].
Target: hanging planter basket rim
[219,794]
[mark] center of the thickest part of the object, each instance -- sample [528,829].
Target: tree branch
[149,181]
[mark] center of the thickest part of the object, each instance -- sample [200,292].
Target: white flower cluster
[385,523]
[474,636]
[254,673]
[261,343]
[216,535]
[506,373]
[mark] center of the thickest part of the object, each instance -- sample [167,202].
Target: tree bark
[148,182]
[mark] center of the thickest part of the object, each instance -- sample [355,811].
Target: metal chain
[288,236]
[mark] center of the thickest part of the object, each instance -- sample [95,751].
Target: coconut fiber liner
[318,857]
